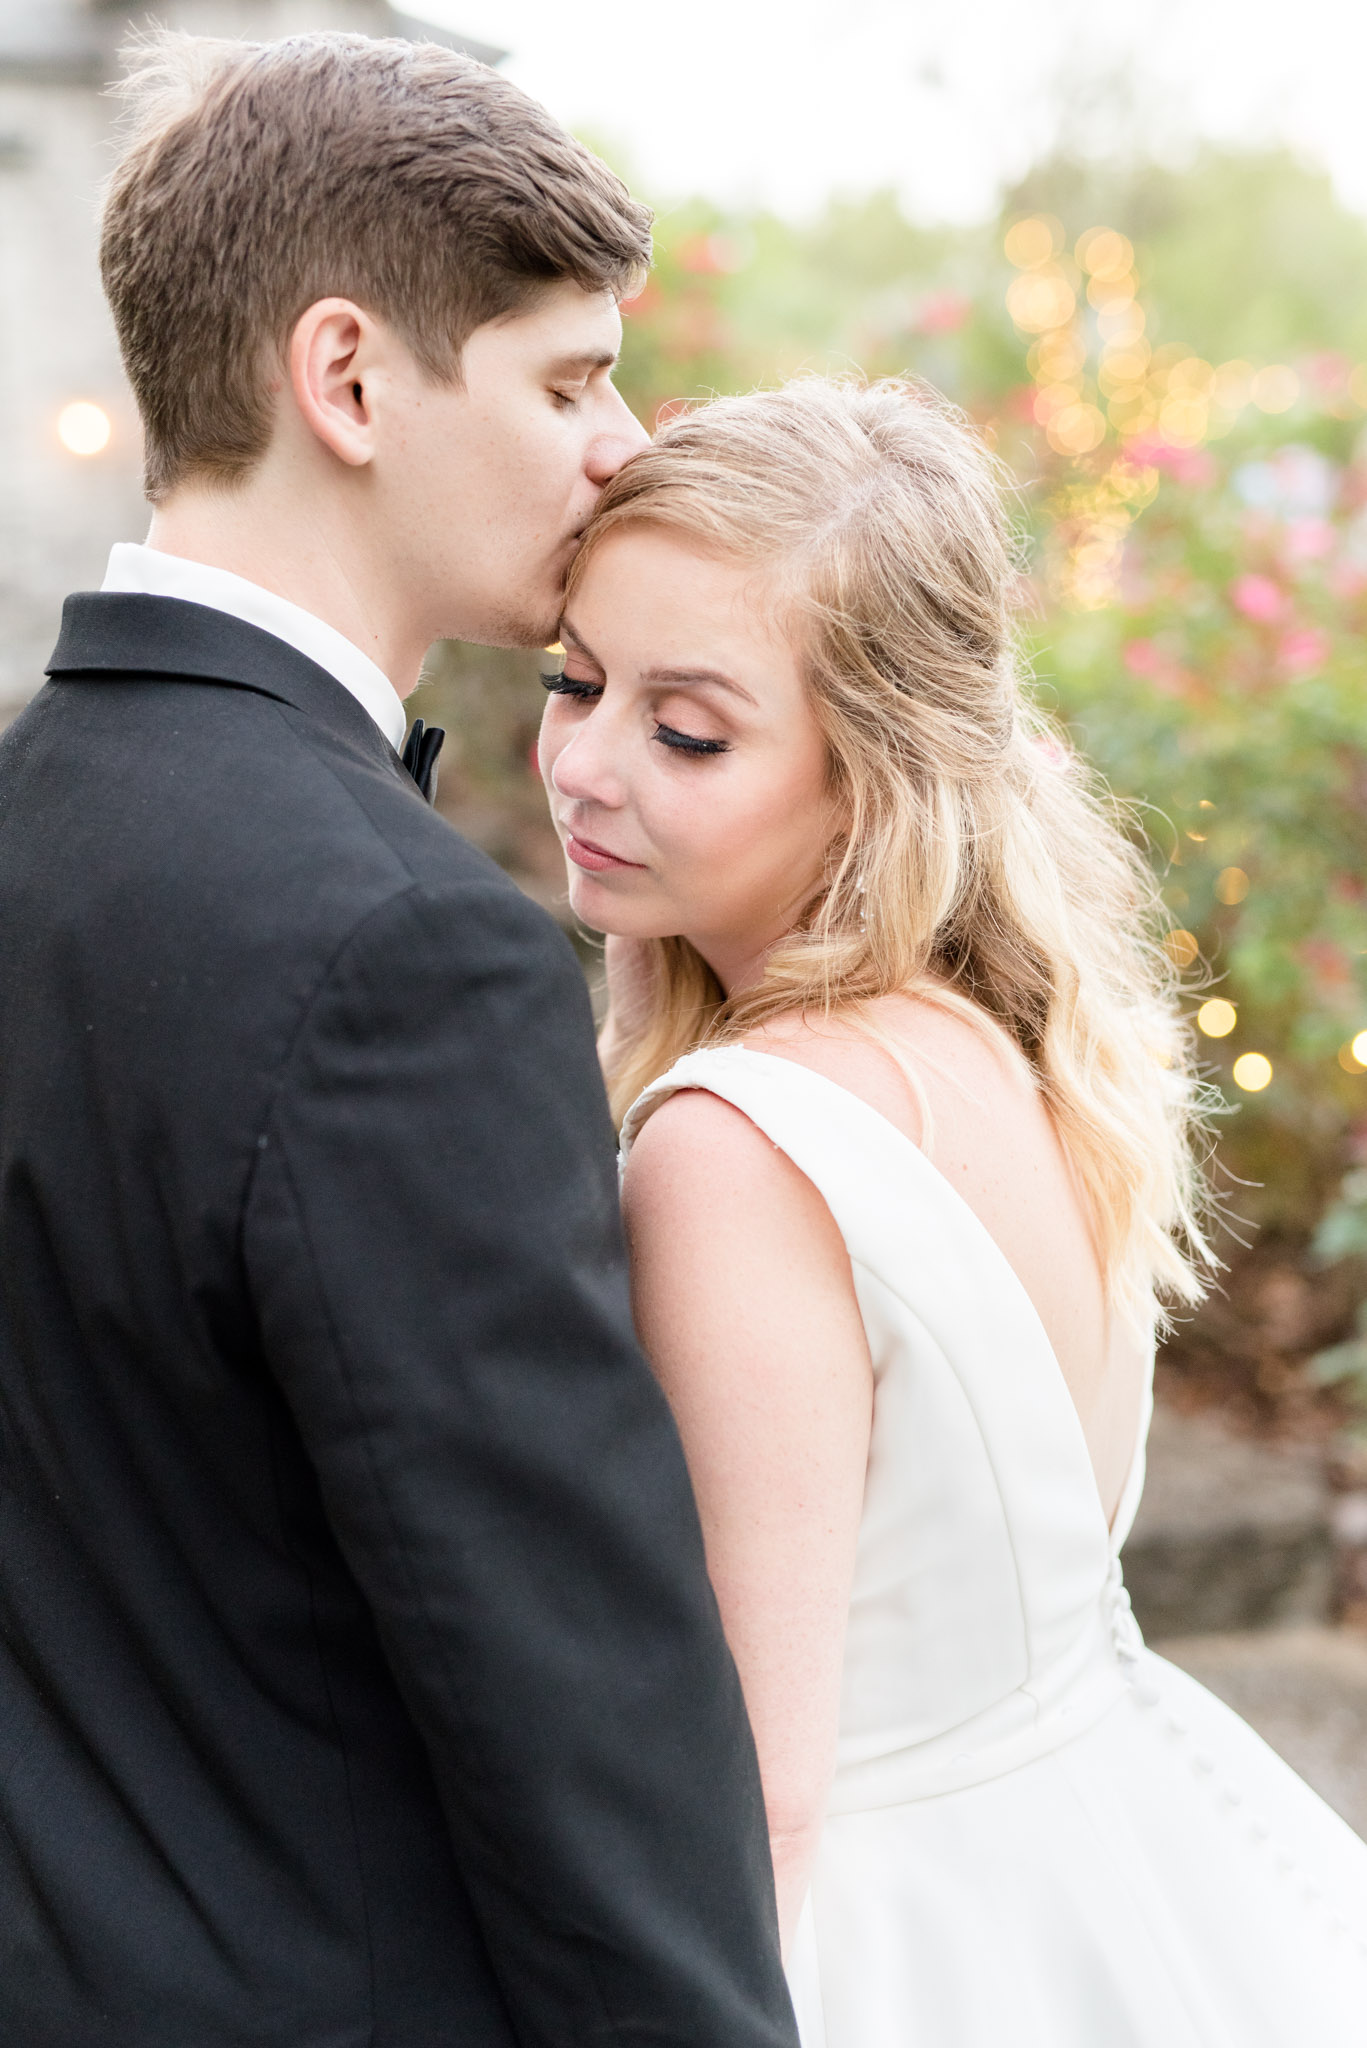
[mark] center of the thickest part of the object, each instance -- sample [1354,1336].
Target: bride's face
[686,773]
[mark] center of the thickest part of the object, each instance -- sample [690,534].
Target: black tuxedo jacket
[360,1683]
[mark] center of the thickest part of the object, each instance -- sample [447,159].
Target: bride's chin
[614,921]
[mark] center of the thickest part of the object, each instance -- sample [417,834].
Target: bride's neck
[738,963]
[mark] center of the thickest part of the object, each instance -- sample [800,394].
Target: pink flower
[1328,371]
[943,313]
[1303,650]
[1258,597]
[1309,540]
[1347,579]
[1144,658]
[1188,465]
[1327,962]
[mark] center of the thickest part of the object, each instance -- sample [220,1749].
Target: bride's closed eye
[560,684]
[687,742]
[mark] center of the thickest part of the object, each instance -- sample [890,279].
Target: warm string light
[84,428]
[1353,1055]
[1137,390]
[1217,1018]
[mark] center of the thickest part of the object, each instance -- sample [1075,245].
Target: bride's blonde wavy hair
[979,867]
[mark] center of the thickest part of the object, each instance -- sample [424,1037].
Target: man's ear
[332,359]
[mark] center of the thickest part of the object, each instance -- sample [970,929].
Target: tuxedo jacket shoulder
[360,1682]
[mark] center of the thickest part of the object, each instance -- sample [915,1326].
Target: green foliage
[1243,253]
[1344,1366]
[1342,1233]
[1241,742]
[1197,593]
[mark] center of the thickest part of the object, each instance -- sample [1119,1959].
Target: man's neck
[298,557]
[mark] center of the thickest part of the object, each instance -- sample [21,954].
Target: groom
[360,1682]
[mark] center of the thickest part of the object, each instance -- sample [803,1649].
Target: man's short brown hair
[262,177]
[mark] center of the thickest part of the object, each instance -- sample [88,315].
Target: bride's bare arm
[746,1306]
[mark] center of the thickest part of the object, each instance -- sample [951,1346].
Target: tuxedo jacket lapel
[122,635]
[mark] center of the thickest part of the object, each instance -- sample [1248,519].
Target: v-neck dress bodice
[1026,1802]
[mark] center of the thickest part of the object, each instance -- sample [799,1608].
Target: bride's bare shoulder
[700,1167]
[902,1052]
[706,1191]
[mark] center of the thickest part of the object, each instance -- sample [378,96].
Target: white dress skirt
[1040,1835]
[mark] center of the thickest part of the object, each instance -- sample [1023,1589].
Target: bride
[907,1123]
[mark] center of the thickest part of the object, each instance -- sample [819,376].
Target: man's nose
[620,437]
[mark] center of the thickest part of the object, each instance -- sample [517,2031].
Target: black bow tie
[420,753]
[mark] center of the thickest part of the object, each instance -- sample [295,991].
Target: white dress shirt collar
[152,574]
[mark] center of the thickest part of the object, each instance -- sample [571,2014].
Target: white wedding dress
[1040,1835]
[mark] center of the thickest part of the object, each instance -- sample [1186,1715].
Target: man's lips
[596,859]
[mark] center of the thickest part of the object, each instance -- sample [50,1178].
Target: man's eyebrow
[682,677]
[585,361]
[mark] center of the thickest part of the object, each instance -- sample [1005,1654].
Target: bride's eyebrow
[674,678]
[681,677]
[569,638]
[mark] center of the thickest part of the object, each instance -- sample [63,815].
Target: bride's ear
[333,357]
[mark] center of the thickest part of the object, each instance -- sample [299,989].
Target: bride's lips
[596,859]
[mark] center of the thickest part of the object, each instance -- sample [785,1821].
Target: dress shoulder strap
[765,1086]
[878,1186]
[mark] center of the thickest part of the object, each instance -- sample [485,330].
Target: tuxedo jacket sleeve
[432,1245]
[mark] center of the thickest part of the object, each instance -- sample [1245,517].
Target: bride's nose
[587,770]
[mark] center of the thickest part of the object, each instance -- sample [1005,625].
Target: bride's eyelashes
[561,685]
[687,742]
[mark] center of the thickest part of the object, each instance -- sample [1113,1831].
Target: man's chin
[534,624]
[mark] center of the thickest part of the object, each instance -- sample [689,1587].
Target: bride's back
[975,1109]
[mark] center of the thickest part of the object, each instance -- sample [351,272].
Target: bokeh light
[1183,421]
[1217,1018]
[1104,254]
[1191,378]
[1122,321]
[1040,299]
[1032,242]
[1076,430]
[1181,947]
[1252,1072]
[1231,885]
[1110,295]
[84,428]
[1276,388]
[1359,1045]
[1234,385]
